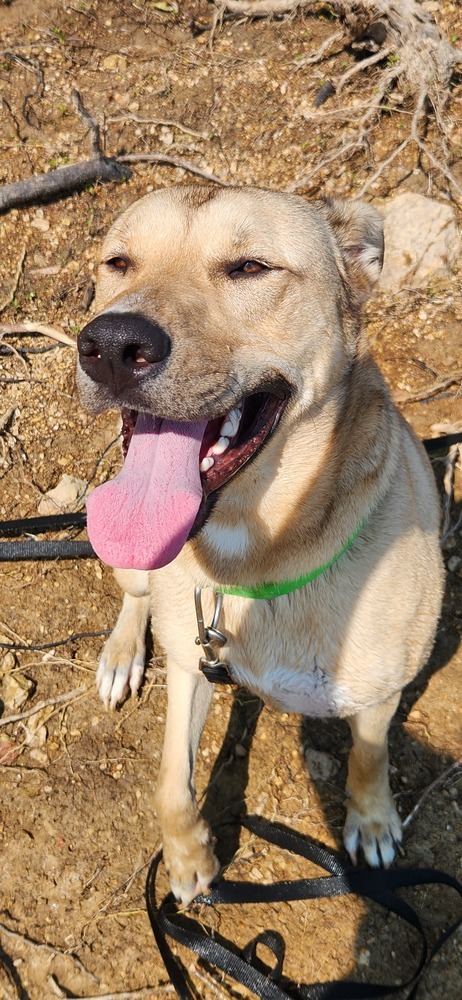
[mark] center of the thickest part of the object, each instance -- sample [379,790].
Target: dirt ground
[77,827]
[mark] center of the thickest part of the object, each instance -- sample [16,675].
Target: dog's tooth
[227,429]
[206,464]
[230,425]
[221,445]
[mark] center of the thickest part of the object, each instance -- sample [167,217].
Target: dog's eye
[119,264]
[247,267]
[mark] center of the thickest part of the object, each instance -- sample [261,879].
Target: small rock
[42,225]
[15,690]
[166,136]
[67,495]
[35,731]
[454,564]
[7,663]
[115,61]
[239,750]
[40,757]
[321,766]
[260,804]
[256,873]
[421,241]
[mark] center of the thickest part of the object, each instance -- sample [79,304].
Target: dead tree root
[414,55]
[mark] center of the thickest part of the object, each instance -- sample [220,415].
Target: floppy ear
[358,232]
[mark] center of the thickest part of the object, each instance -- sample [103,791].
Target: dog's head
[221,312]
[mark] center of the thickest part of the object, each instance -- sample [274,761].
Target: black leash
[32,549]
[244,966]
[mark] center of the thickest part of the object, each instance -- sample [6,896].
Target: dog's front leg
[122,660]
[372,820]
[187,839]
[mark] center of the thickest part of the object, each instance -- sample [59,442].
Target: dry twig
[14,329]
[360,66]
[130,117]
[439,385]
[11,294]
[321,51]
[48,949]
[59,700]
[172,161]
[86,117]
[141,994]
[438,781]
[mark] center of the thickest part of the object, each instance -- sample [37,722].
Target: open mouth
[143,517]
[229,442]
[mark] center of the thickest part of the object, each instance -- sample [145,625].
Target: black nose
[121,349]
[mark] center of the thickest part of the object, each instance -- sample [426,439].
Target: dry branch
[59,700]
[172,161]
[171,123]
[61,181]
[64,180]
[438,781]
[15,329]
[440,385]
[87,118]
[142,994]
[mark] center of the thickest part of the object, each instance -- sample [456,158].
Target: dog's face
[232,309]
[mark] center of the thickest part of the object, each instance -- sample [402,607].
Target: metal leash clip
[215,670]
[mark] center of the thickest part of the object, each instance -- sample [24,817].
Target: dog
[270,486]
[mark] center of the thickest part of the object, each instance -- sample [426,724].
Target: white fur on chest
[307,691]
[276,655]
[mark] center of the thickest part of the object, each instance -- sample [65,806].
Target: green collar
[266,591]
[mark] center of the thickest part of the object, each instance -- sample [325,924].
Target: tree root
[420,58]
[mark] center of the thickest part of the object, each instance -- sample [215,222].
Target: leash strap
[47,522]
[244,966]
[31,549]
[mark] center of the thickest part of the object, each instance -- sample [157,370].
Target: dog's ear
[358,233]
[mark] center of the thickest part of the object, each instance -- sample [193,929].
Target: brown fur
[348,642]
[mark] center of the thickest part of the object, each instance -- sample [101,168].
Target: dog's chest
[289,666]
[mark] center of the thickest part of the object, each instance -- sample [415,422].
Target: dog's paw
[378,835]
[120,669]
[190,861]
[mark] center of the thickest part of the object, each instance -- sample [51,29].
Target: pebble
[115,61]
[42,225]
[15,690]
[9,661]
[320,766]
[40,757]
[66,495]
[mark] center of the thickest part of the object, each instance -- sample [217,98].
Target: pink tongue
[142,518]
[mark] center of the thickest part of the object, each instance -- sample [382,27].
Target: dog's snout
[121,348]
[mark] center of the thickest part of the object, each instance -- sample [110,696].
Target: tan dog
[267,449]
